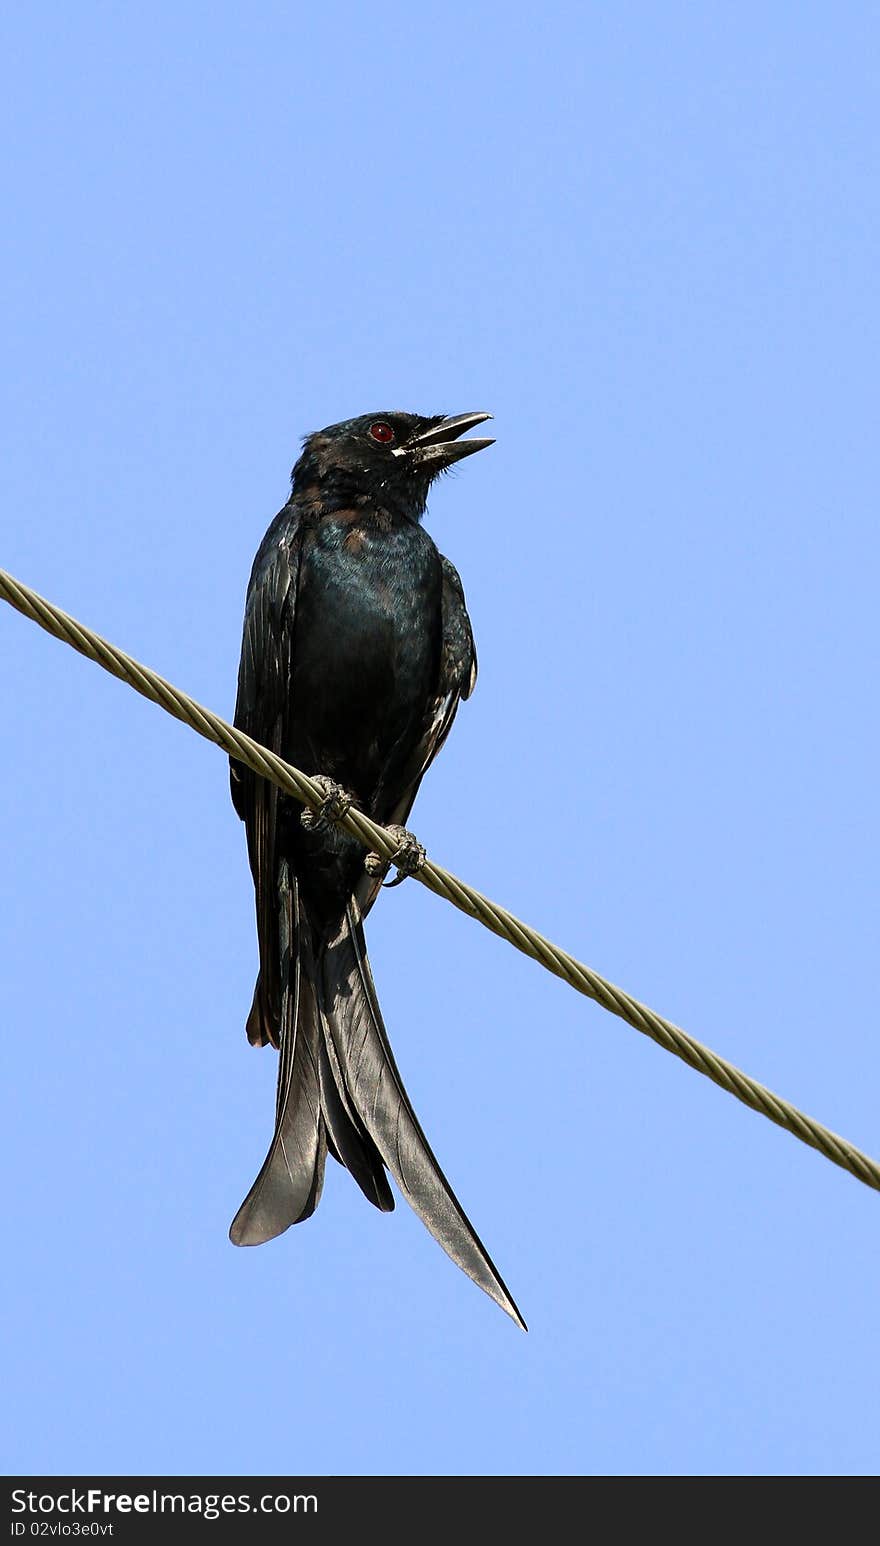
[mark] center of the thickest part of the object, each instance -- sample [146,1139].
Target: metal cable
[440,881]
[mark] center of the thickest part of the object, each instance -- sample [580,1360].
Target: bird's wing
[262,710]
[456,680]
[458,664]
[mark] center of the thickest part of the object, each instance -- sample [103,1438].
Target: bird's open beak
[439,446]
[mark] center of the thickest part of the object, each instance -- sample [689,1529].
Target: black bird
[357,650]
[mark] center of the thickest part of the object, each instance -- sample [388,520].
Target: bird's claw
[408,858]
[336,803]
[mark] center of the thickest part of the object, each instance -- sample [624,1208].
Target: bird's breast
[367,638]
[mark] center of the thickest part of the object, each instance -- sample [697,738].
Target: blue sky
[646,238]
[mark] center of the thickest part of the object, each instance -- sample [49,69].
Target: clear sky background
[646,238]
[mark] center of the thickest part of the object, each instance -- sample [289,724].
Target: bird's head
[391,458]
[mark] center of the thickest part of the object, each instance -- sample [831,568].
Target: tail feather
[289,1184]
[375,1097]
[352,1146]
[339,1087]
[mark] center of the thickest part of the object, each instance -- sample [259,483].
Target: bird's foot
[408,859]
[336,803]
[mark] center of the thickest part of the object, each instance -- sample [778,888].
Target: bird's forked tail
[339,1087]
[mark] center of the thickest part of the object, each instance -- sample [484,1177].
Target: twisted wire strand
[494,917]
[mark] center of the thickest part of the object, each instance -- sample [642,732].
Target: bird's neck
[387,506]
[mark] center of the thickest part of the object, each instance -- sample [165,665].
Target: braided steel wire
[463,896]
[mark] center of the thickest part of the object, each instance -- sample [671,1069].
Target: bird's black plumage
[357,650]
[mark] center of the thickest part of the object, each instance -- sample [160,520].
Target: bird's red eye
[382,432]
